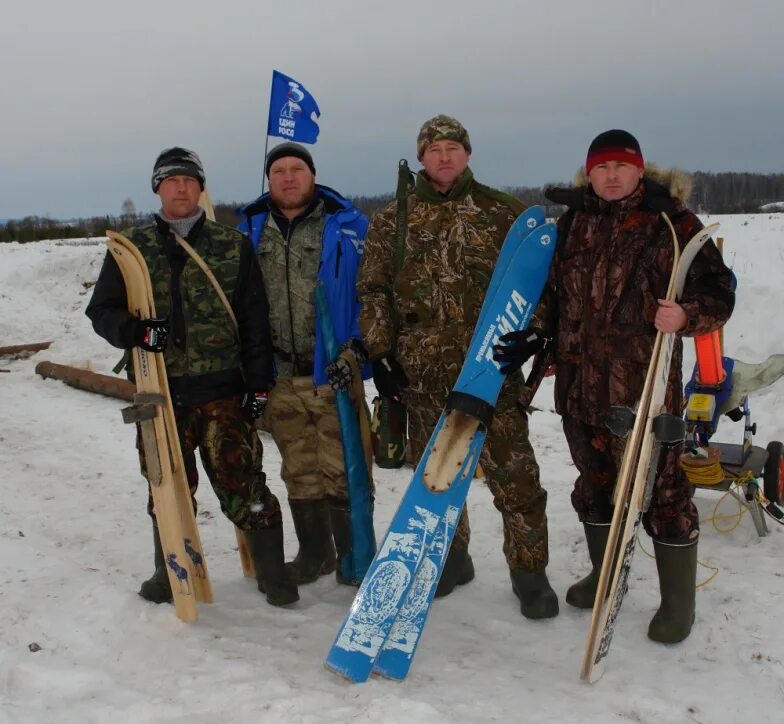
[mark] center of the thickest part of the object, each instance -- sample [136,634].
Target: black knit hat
[615,145]
[289,149]
[177,162]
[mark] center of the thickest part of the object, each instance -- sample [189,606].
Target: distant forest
[713,193]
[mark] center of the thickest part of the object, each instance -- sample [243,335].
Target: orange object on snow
[710,370]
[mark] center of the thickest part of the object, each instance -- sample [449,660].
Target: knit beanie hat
[289,149]
[177,162]
[615,145]
[442,128]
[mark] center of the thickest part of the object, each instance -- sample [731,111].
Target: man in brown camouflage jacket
[417,324]
[603,307]
[218,378]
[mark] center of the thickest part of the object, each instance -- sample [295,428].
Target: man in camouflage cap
[442,128]
[218,379]
[417,323]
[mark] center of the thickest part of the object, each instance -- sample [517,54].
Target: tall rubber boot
[266,549]
[157,588]
[340,517]
[316,556]
[537,598]
[458,570]
[583,593]
[677,566]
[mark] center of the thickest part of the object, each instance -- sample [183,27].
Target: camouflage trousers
[672,516]
[511,473]
[303,421]
[230,451]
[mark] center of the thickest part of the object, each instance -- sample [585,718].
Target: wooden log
[87,380]
[23,350]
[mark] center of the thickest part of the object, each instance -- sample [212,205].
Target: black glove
[389,377]
[256,402]
[152,334]
[339,370]
[517,348]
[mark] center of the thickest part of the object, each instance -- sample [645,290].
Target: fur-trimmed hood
[662,185]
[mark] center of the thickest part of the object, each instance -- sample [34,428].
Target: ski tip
[388,675]
[345,673]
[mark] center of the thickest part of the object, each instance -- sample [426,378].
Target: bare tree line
[713,193]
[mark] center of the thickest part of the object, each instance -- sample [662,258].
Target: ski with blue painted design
[441,481]
[396,655]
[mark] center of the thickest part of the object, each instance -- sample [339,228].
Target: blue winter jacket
[342,246]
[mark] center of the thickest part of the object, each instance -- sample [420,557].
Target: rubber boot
[316,556]
[157,588]
[458,570]
[340,517]
[266,549]
[583,593]
[677,566]
[537,598]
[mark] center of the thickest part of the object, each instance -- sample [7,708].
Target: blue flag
[291,110]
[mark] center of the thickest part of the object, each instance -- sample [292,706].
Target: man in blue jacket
[306,233]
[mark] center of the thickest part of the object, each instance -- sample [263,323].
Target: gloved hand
[517,348]
[389,377]
[339,370]
[152,334]
[256,402]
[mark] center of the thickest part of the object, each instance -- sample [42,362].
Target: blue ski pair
[385,622]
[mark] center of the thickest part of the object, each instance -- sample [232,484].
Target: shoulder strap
[203,266]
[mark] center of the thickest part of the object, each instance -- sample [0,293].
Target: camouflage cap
[442,128]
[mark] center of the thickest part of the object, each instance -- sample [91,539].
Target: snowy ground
[75,543]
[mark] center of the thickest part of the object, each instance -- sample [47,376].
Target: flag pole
[263,164]
[266,139]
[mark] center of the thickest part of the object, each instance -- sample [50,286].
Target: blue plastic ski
[363,537]
[444,474]
[397,653]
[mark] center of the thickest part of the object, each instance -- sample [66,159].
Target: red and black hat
[615,145]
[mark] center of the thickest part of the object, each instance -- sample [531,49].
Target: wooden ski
[633,477]
[185,560]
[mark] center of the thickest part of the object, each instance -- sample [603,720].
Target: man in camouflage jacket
[603,307]
[305,233]
[417,323]
[218,379]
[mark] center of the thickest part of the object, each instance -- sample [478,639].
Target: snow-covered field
[75,542]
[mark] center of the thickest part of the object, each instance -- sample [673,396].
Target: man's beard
[298,202]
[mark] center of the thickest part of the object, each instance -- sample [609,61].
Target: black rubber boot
[316,556]
[537,598]
[677,566]
[157,588]
[266,549]
[583,593]
[458,570]
[340,517]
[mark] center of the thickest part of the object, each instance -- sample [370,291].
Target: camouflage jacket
[426,312]
[612,264]
[323,244]
[204,358]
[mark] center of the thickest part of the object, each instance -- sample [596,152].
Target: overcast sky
[92,90]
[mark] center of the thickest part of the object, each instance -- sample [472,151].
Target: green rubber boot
[157,588]
[677,566]
[266,549]
[583,593]
[537,598]
[316,555]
